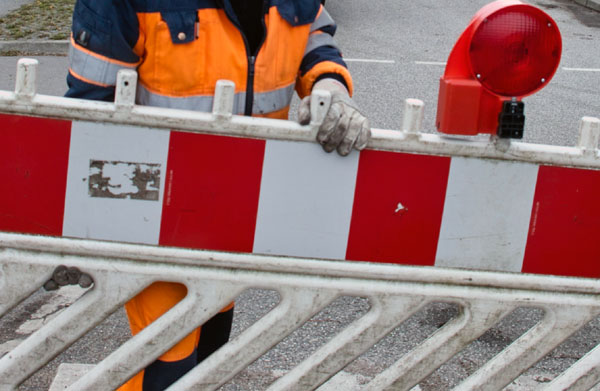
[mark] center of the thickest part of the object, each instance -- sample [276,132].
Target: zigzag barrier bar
[306,286]
[523,174]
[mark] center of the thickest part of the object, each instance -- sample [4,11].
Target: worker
[268,48]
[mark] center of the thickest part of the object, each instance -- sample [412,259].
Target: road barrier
[125,195]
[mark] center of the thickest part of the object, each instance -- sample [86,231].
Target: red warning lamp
[508,51]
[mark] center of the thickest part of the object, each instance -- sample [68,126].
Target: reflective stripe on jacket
[181,48]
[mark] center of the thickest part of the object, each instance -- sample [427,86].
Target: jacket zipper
[250,86]
[251,59]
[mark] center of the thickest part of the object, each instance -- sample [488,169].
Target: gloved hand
[344,127]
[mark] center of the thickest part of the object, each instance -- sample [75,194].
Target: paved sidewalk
[24,47]
[9,5]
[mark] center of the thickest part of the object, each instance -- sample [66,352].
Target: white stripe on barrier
[108,156]
[486,214]
[306,199]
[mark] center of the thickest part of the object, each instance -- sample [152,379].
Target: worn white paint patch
[530,382]
[8,346]
[343,381]
[306,199]
[56,303]
[349,382]
[486,214]
[120,148]
[67,374]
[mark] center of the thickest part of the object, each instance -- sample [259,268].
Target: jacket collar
[295,12]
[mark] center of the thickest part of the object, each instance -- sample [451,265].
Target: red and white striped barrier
[141,185]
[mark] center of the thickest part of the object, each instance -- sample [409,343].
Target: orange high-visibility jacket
[180,48]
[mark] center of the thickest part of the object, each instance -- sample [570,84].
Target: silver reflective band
[268,102]
[196,103]
[317,40]
[323,20]
[264,102]
[93,68]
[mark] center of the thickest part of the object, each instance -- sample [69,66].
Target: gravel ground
[39,19]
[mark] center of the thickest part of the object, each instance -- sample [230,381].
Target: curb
[592,4]
[39,48]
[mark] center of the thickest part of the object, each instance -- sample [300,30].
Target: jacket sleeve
[322,56]
[104,38]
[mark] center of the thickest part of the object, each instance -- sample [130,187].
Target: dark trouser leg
[214,334]
[161,374]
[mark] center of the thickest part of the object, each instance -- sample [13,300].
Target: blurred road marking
[67,374]
[441,63]
[57,301]
[430,63]
[342,381]
[369,60]
[349,382]
[581,69]
[530,382]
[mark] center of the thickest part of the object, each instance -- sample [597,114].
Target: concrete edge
[592,4]
[39,48]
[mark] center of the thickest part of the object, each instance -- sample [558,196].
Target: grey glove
[344,127]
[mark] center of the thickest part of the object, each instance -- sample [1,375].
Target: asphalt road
[395,50]
[419,35]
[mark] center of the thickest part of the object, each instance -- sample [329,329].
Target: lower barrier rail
[213,279]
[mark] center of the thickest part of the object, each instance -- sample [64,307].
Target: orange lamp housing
[508,51]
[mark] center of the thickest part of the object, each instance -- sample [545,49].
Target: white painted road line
[581,69]
[67,374]
[343,381]
[441,63]
[369,60]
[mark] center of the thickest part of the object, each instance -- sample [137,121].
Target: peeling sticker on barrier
[115,179]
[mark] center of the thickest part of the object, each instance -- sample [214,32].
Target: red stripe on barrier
[211,193]
[565,223]
[398,205]
[34,156]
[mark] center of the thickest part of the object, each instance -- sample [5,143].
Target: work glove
[344,127]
